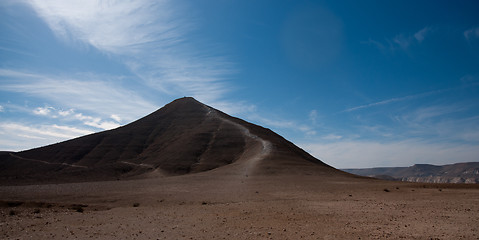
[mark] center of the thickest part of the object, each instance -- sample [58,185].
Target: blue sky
[355,83]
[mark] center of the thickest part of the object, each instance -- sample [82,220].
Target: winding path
[45,162]
[143,165]
[266,145]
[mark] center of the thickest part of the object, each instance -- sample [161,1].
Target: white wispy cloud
[96,122]
[16,136]
[375,43]
[425,113]
[446,123]
[65,113]
[421,34]
[112,26]
[406,41]
[11,107]
[401,41]
[384,102]
[451,123]
[332,137]
[95,95]
[150,37]
[43,110]
[104,125]
[115,117]
[472,33]
[393,100]
[74,131]
[71,116]
[2,108]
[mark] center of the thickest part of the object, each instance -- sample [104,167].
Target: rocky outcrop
[452,173]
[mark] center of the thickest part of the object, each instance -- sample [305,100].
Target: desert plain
[204,206]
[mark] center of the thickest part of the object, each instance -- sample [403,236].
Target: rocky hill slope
[185,136]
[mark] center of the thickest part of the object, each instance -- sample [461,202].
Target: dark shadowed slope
[452,173]
[185,136]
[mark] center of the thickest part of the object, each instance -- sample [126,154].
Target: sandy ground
[202,206]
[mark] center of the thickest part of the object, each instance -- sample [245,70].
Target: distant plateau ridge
[452,173]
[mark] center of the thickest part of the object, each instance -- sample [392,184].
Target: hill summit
[185,136]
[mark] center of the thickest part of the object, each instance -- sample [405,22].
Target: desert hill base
[254,207]
[197,173]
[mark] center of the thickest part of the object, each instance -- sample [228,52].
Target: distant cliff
[453,173]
